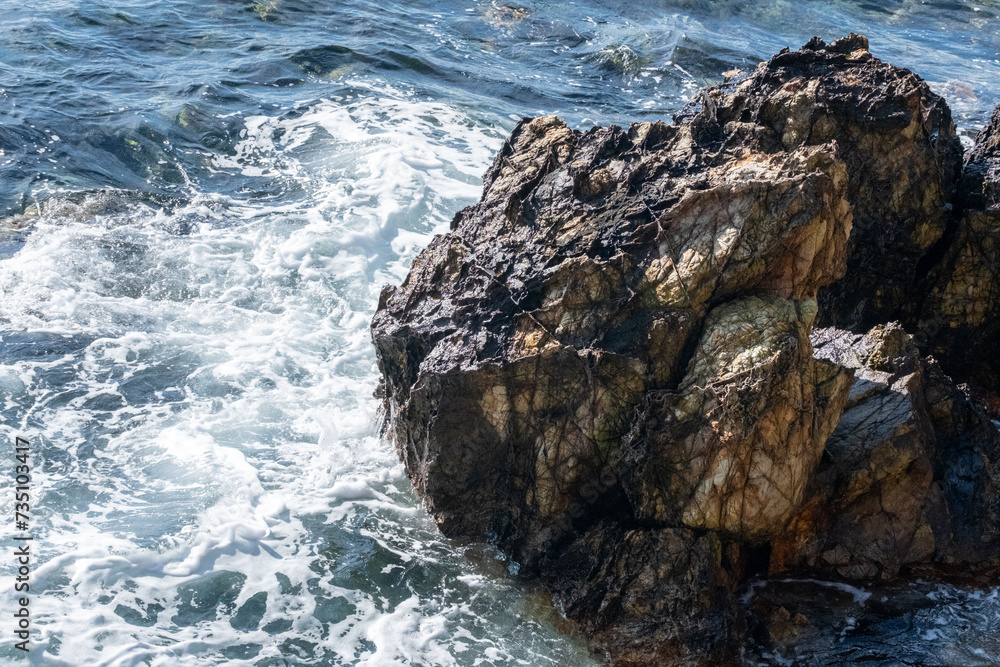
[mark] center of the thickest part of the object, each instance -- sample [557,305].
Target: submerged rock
[608,366]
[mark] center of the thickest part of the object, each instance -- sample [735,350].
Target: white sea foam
[214,488]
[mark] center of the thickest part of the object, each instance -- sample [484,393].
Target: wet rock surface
[650,596]
[910,475]
[609,366]
[809,621]
[960,318]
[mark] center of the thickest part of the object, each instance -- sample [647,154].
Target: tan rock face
[777,224]
[899,147]
[734,447]
[770,406]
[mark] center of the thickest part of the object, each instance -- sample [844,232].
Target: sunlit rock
[731,450]
[896,139]
[607,366]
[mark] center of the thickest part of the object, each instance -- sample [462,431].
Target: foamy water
[200,383]
[199,203]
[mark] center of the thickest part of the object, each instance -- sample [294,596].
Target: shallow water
[199,205]
[918,623]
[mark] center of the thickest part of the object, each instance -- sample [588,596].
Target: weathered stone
[605,367]
[650,597]
[960,319]
[896,139]
[908,476]
[980,188]
[518,347]
[733,448]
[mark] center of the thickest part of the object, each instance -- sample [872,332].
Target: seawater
[199,202]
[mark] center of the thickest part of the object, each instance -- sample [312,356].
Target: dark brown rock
[910,475]
[980,187]
[960,319]
[650,597]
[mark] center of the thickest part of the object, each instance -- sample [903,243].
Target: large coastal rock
[609,367]
[521,344]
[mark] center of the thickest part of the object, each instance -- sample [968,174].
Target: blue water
[198,205]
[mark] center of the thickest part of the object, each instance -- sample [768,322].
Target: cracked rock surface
[609,366]
[959,322]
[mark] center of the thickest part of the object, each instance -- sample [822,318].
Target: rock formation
[898,144]
[910,475]
[959,321]
[609,366]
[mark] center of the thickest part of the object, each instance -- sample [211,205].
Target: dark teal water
[143,94]
[198,205]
